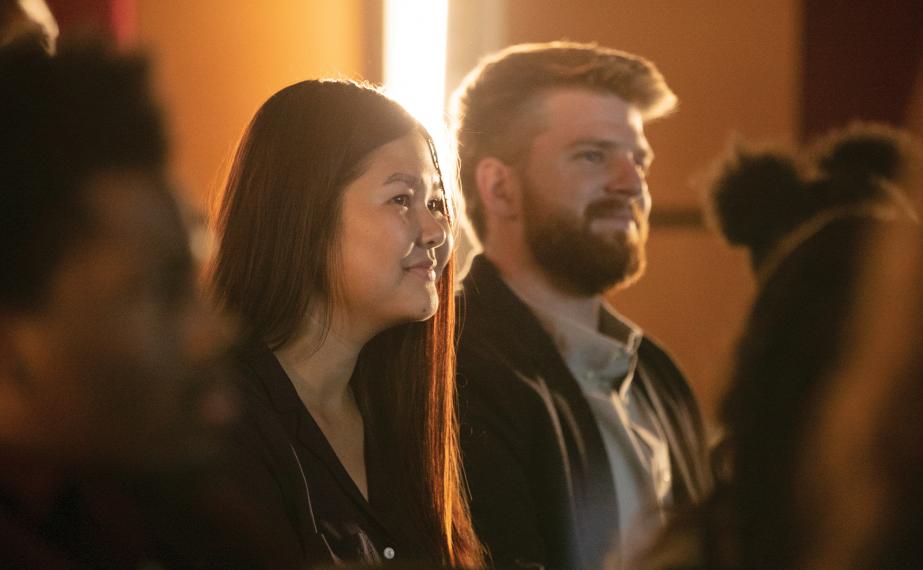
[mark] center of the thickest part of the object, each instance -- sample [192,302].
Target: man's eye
[593,156]
[402,200]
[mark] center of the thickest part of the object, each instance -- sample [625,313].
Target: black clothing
[291,463]
[72,535]
[165,520]
[541,486]
[794,337]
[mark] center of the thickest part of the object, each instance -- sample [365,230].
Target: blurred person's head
[761,197]
[28,22]
[100,331]
[808,223]
[334,221]
[554,160]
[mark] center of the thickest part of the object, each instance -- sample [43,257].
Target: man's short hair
[493,104]
[63,120]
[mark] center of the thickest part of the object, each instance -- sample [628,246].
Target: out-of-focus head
[28,22]
[334,209]
[815,222]
[551,137]
[760,197]
[100,330]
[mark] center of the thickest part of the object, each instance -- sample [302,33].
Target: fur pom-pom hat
[759,195]
[756,196]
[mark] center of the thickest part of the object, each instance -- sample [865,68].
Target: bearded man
[579,433]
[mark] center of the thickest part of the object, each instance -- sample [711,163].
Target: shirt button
[389,553]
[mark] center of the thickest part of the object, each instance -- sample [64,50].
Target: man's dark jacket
[541,486]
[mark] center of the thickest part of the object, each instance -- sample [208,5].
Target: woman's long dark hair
[277,229]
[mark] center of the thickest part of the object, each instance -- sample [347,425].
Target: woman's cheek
[444,252]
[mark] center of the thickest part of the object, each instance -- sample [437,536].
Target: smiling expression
[395,236]
[585,196]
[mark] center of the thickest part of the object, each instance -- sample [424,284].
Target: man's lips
[623,216]
[626,215]
[612,210]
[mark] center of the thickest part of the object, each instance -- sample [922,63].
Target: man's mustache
[614,207]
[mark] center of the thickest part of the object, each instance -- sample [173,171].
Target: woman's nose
[433,229]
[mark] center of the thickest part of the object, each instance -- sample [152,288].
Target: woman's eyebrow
[411,180]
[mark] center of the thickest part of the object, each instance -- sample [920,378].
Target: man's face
[585,198]
[110,357]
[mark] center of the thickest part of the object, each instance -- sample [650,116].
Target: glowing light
[415,38]
[415,58]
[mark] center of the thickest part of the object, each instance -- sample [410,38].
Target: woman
[334,246]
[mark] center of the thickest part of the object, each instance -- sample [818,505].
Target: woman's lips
[424,270]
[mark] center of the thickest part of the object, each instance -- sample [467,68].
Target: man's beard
[577,260]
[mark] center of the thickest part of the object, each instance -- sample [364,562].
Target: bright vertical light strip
[415,58]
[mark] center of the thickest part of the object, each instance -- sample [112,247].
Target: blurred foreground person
[808,222]
[849,187]
[103,419]
[860,470]
[28,22]
[335,239]
[579,431]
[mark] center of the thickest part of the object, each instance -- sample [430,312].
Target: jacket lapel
[517,336]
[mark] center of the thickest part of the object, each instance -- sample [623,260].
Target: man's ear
[498,187]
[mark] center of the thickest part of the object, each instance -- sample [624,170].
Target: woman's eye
[402,200]
[437,205]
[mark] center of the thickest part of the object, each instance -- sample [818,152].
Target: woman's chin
[427,310]
[423,310]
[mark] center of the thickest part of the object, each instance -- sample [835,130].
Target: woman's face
[395,230]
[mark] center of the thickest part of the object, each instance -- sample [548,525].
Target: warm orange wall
[218,60]
[734,65]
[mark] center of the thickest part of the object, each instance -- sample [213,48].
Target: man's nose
[626,176]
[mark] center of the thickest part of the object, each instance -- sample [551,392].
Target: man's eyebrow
[643,152]
[599,143]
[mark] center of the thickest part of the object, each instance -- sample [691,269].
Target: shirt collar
[600,359]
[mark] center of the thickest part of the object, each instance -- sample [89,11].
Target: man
[578,430]
[104,417]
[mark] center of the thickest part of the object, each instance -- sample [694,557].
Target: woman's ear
[498,188]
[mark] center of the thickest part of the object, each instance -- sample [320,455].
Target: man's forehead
[570,115]
[573,106]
